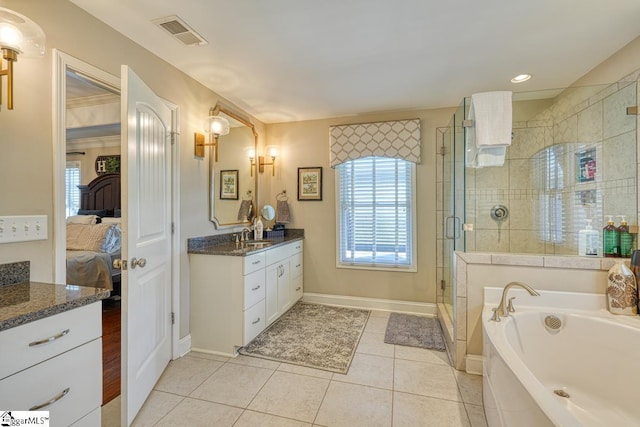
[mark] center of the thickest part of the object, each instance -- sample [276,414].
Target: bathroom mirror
[268,214]
[233,186]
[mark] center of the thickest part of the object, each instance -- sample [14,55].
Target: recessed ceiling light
[521,78]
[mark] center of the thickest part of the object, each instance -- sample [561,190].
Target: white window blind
[72,180]
[376,213]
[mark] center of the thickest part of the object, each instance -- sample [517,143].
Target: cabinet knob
[298,288]
[255,321]
[256,288]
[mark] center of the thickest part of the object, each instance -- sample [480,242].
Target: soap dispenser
[611,239]
[622,290]
[257,229]
[588,241]
[626,239]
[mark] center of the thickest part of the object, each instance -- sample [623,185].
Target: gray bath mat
[414,331]
[312,335]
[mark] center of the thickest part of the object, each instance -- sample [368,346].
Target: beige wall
[26,138]
[305,144]
[623,62]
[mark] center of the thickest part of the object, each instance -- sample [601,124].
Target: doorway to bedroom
[93,206]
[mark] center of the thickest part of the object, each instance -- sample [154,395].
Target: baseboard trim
[421,308]
[184,345]
[474,364]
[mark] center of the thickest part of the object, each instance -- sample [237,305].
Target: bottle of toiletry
[622,290]
[588,241]
[626,239]
[611,239]
[257,229]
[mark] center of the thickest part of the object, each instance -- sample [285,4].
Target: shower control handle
[499,213]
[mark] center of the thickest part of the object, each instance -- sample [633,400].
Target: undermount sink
[257,243]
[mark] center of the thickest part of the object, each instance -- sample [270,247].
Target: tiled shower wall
[589,120]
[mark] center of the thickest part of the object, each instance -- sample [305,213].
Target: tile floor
[387,385]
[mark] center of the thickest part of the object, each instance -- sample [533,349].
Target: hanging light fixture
[19,35]
[215,126]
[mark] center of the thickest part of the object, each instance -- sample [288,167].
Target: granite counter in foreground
[26,302]
[224,244]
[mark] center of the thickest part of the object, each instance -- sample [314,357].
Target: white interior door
[146,283]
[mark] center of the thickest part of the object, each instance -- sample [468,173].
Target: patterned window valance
[398,140]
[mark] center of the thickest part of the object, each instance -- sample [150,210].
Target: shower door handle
[450,232]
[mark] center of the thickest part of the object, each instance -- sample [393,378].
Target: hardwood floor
[110,350]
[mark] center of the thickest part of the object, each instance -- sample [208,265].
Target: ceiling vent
[180,30]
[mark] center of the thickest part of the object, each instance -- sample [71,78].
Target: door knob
[120,264]
[135,262]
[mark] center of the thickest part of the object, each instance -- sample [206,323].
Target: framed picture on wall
[310,183]
[229,185]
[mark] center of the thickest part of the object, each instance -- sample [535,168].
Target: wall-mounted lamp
[215,126]
[19,35]
[273,153]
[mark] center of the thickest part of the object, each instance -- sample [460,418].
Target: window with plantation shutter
[72,192]
[376,213]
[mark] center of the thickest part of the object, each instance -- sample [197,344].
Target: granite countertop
[226,245]
[26,302]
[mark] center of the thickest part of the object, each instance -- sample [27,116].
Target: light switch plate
[23,228]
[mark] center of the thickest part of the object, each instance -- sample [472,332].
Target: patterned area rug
[414,331]
[313,335]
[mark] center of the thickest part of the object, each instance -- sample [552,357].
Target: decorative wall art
[229,185]
[310,183]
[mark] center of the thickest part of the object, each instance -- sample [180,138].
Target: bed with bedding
[94,235]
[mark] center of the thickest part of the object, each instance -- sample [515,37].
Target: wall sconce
[273,153]
[215,126]
[19,35]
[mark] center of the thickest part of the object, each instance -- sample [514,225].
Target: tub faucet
[506,306]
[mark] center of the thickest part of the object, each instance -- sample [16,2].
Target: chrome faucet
[506,306]
[245,230]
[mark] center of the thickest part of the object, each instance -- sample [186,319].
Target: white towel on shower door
[491,113]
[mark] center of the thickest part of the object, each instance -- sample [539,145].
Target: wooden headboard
[101,193]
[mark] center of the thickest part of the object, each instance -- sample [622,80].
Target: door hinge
[173,318]
[443,150]
[173,137]
[443,284]
[173,227]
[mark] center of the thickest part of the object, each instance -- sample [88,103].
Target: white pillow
[82,219]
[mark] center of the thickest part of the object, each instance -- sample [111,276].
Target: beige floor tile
[157,405]
[470,387]
[380,313]
[426,379]
[410,411]
[303,370]
[207,356]
[234,385]
[372,343]
[369,370]
[257,419]
[476,415]
[254,361]
[192,412]
[291,396]
[111,413]
[184,375]
[377,325]
[353,405]
[421,355]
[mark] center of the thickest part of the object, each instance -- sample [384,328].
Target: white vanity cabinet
[234,298]
[55,364]
[284,279]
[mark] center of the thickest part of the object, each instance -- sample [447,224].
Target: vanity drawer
[254,262]
[78,370]
[66,330]
[282,252]
[254,288]
[254,321]
[296,265]
[296,288]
